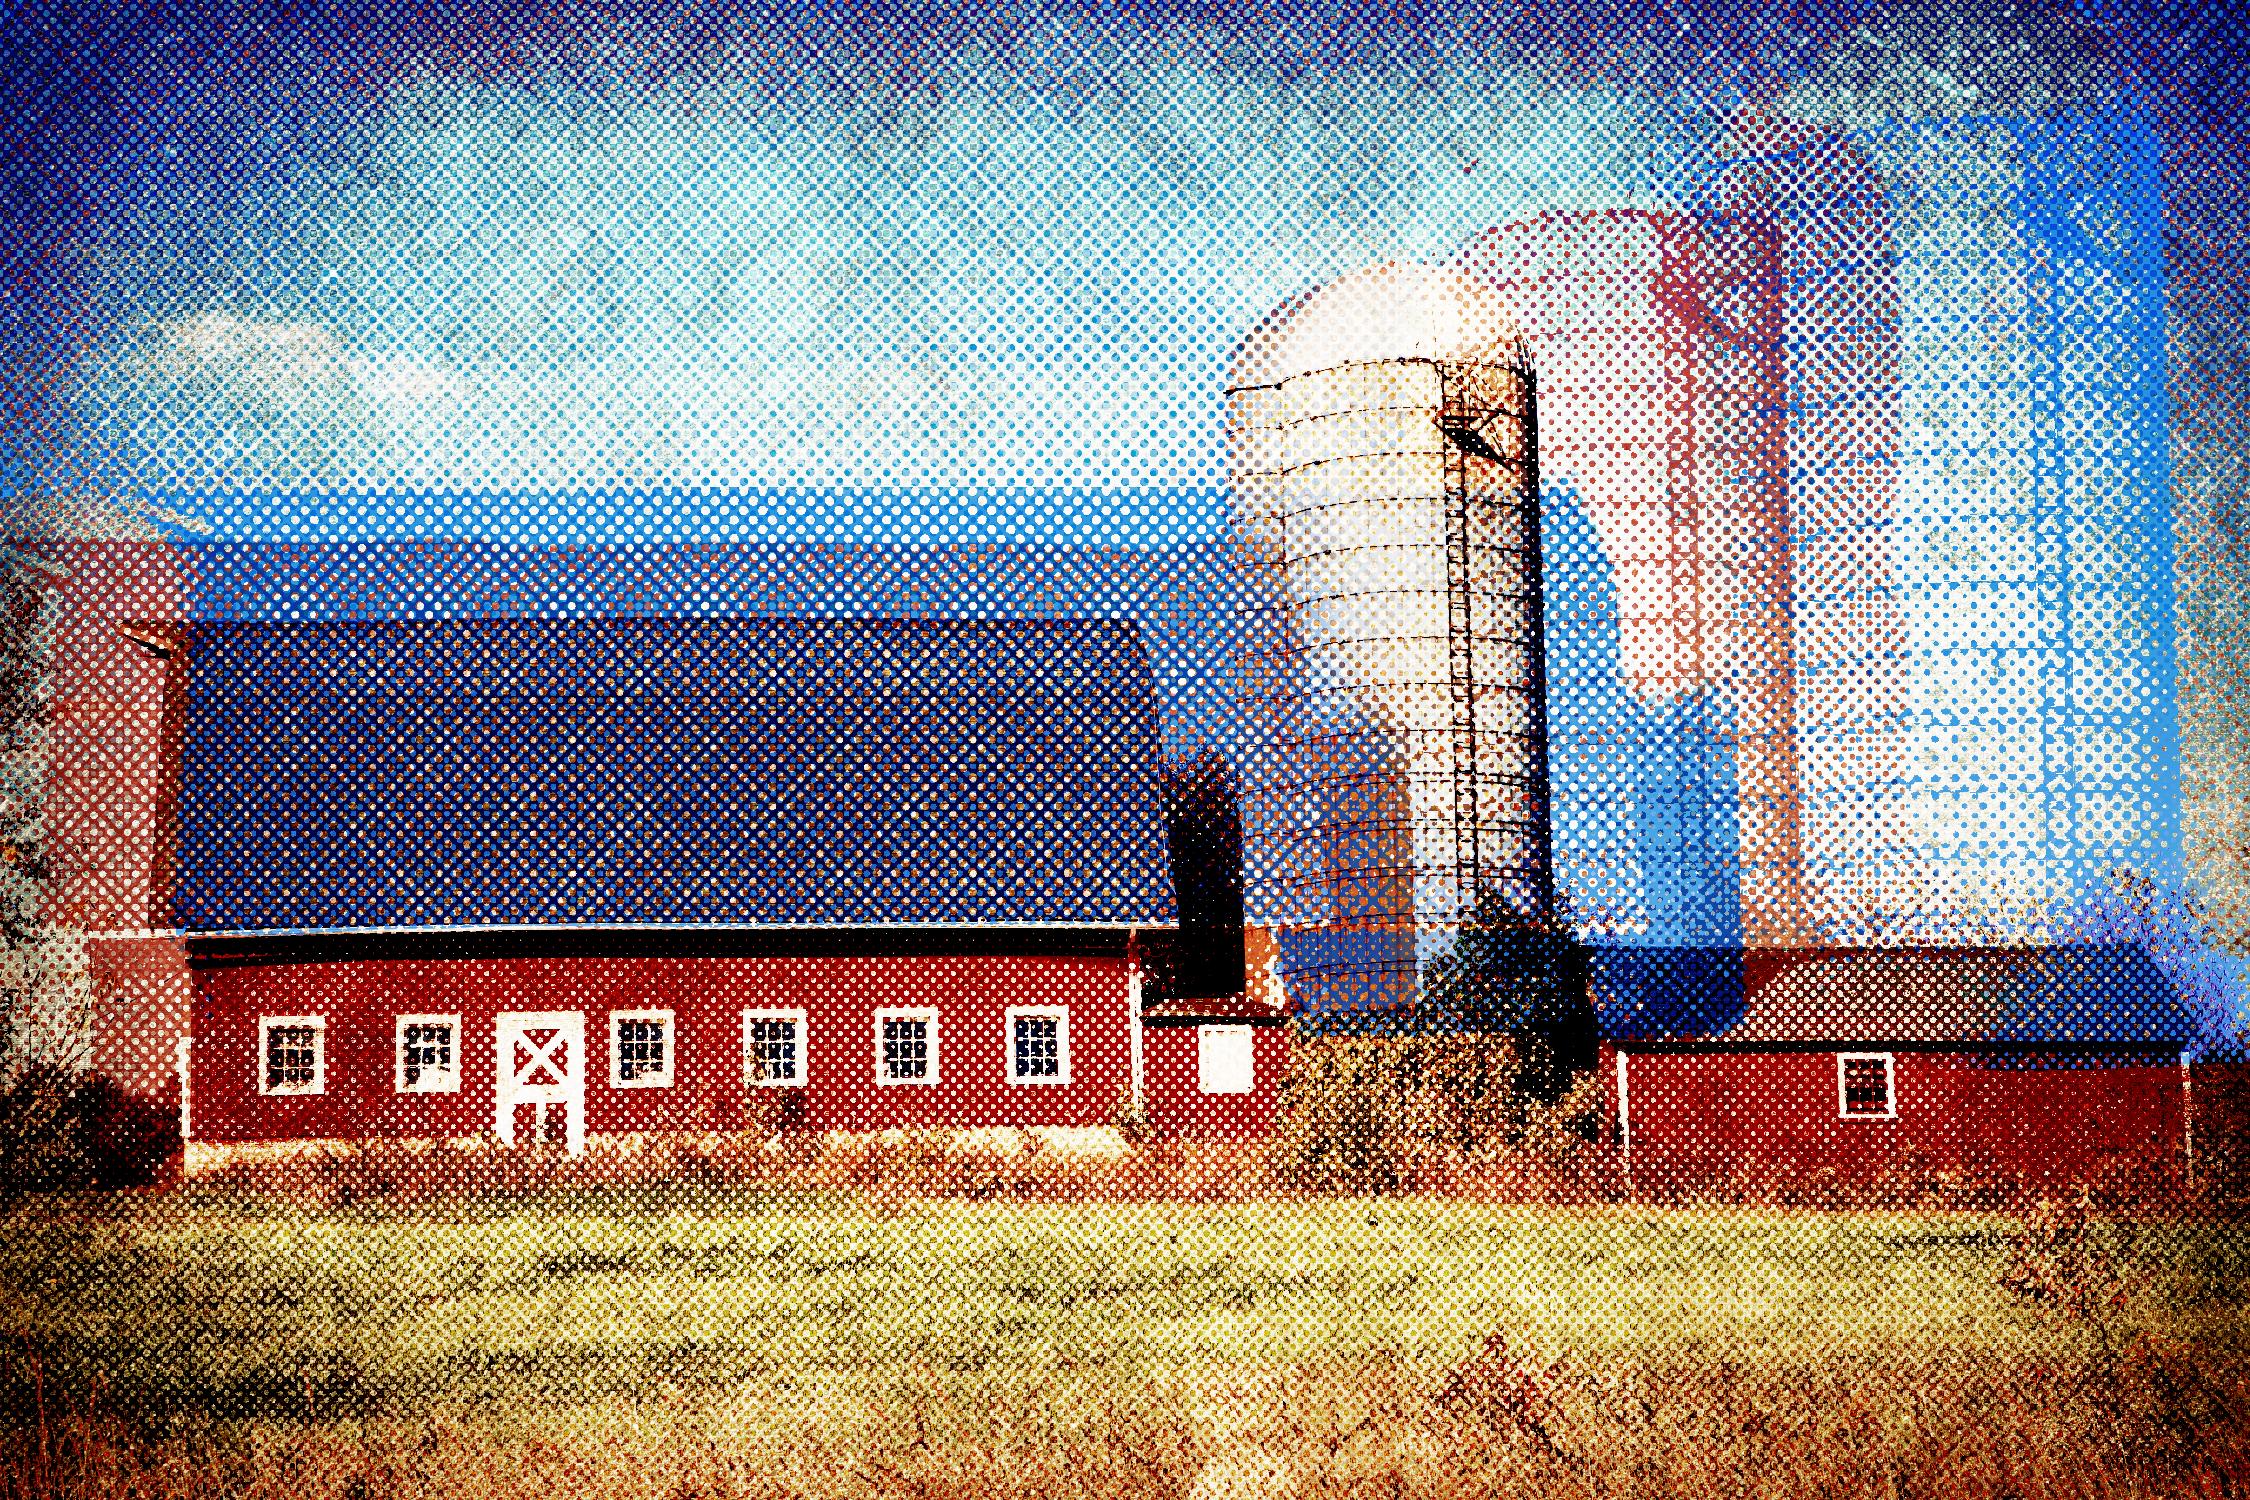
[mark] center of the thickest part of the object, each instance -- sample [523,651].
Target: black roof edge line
[532,944]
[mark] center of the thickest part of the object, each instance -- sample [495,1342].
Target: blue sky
[555,300]
[608,272]
[946,278]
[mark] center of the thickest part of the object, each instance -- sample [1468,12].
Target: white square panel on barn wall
[1226,1060]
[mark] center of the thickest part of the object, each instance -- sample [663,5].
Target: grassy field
[832,1333]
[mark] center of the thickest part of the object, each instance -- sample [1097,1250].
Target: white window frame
[451,1083]
[804,1044]
[1245,1037]
[1844,1111]
[319,1084]
[924,1013]
[661,1080]
[1060,1014]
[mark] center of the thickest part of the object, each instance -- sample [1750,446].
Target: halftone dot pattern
[1124,747]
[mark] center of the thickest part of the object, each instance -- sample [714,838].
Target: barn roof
[616,771]
[2078,994]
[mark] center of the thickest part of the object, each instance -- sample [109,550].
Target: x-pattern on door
[542,1077]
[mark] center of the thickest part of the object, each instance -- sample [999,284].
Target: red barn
[1214,1065]
[2053,1065]
[438,879]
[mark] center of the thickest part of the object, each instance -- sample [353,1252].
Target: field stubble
[725,1342]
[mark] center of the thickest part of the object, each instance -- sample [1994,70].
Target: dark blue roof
[805,771]
[2077,994]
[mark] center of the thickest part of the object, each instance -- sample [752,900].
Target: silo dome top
[1397,310]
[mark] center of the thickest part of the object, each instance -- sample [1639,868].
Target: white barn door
[541,1077]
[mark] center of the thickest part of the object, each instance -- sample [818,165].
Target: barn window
[640,1052]
[292,1055]
[906,1046]
[1226,1060]
[773,1048]
[429,1054]
[1864,1086]
[1038,1044]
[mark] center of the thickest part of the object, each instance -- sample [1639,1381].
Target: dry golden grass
[941,1316]
[2158,1419]
[888,1169]
[879,1169]
[1269,1349]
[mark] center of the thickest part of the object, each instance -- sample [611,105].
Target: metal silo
[1385,463]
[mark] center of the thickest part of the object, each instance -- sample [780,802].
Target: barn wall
[141,1002]
[112,779]
[114,766]
[361,999]
[1176,1103]
[1710,1115]
[2222,1128]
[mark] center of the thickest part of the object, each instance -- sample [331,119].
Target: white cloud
[509,289]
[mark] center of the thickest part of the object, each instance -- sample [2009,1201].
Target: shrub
[1130,1117]
[2057,1261]
[1386,1114]
[1565,1128]
[61,1129]
[2221,1095]
[1344,1114]
[2157,1397]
